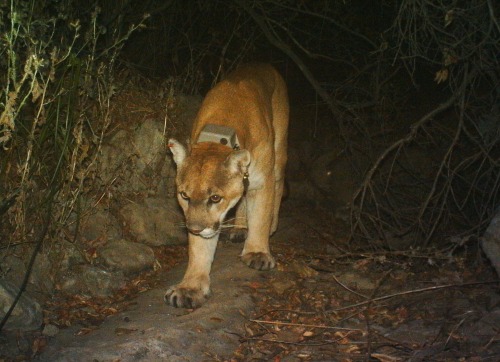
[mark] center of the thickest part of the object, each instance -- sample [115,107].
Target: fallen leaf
[84,331]
[38,345]
[441,76]
[124,331]
[449,17]
[385,357]
[302,269]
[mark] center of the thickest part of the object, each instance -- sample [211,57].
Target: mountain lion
[236,157]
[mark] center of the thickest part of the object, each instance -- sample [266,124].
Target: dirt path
[321,303]
[153,331]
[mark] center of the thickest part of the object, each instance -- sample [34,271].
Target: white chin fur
[209,233]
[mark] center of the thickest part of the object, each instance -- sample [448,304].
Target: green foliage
[56,63]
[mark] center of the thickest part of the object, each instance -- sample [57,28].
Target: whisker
[234,224]
[235,218]
[224,231]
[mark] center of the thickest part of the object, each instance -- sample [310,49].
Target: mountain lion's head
[210,181]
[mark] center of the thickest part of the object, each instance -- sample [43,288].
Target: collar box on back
[219,134]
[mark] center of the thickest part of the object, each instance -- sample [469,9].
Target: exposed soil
[321,303]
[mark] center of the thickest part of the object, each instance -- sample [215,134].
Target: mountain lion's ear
[178,151]
[238,161]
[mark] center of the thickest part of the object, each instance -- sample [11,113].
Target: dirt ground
[323,302]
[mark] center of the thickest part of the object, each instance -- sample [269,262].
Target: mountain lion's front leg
[256,253]
[194,288]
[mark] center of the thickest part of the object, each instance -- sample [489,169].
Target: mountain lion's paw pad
[181,297]
[259,261]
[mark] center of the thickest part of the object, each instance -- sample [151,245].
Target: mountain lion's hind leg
[281,114]
[278,194]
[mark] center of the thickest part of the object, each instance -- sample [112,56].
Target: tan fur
[253,101]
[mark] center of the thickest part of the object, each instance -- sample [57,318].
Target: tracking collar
[219,134]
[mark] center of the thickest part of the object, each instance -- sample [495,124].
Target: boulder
[100,225]
[26,316]
[127,256]
[155,222]
[90,280]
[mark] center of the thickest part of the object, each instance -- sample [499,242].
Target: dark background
[406,90]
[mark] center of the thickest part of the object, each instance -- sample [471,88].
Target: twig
[415,291]
[13,245]
[29,269]
[455,328]
[286,310]
[330,20]
[367,315]
[347,288]
[360,194]
[300,343]
[303,325]
[278,43]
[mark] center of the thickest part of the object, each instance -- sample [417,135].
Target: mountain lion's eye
[215,199]
[184,195]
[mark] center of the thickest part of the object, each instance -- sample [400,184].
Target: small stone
[50,330]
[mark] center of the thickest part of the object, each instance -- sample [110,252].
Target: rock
[113,156]
[117,165]
[91,280]
[149,144]
[155,222]
[13,269]
[100,225]
[150,330]
[26,316]
[166,188]
[50,330]
[490,242]
[127,256]
[41,279]
[134,161]
[69,255]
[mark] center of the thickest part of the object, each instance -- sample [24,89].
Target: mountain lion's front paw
[259,261]
[183,297]
[238,235]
